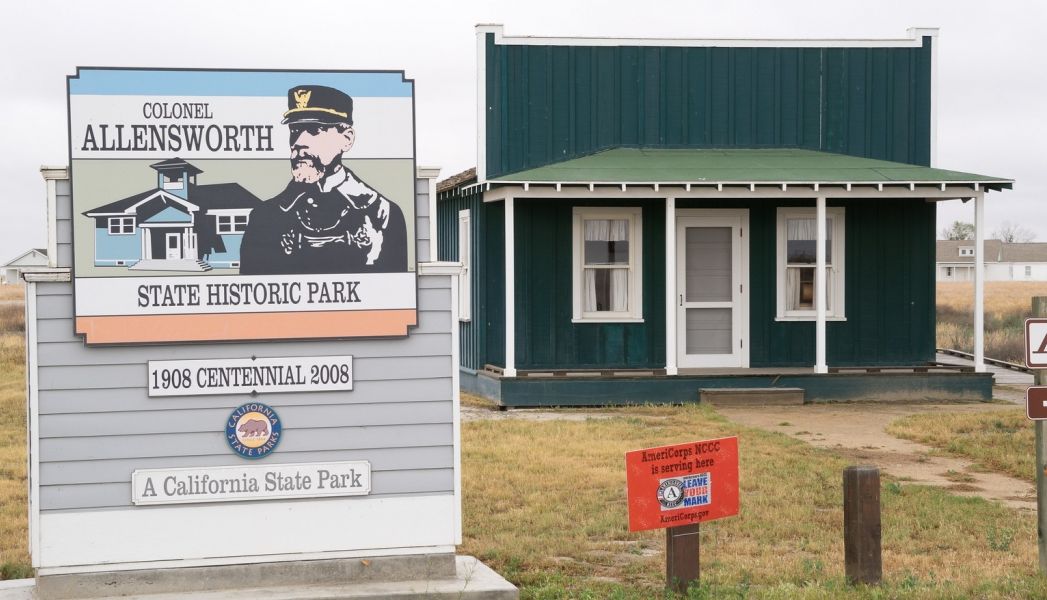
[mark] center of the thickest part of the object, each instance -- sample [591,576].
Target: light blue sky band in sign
[144,82]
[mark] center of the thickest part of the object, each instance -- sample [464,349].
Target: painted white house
[11,272]
[954,261]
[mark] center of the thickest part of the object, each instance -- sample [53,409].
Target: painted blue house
[178,226]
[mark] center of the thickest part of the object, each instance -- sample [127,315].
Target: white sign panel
[252,482]
[246,375]
[220,295]
[1036,343]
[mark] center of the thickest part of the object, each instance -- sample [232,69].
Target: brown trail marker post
[1036,409]
[682,557]
[677,487]
[861,524]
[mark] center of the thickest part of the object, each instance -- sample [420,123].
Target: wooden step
[780,396]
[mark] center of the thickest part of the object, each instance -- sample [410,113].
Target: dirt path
[858,431]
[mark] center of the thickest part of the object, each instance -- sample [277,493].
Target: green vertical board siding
[889,287]
[889,290]
[545,336]
[482,338]
[546,104]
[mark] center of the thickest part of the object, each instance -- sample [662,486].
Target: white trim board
[32,378]
[373,526]
[915,40]
[646,192]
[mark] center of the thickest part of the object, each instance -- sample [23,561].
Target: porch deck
[934,381]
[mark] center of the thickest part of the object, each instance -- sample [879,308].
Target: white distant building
[12,271]
[1003,262]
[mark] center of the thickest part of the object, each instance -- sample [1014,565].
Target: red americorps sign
[682,484]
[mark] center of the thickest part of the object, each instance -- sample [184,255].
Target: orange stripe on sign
[245,326]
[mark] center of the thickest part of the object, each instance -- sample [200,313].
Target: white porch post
[670,286]
[979,282]
[510,289]
[819,290]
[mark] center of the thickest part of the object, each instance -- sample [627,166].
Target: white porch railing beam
[820,365]
[979,282]
[670,287]
[510,289]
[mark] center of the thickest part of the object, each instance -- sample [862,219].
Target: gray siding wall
[421,219]
[64,223]
[97,423]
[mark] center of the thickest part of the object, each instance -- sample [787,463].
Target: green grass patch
[1002,441]
[544,504]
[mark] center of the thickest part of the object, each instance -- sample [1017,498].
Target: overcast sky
[992,87]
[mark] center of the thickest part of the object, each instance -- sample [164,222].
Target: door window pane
[709,331]
[707,264]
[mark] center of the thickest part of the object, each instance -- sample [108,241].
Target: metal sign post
[1036,409]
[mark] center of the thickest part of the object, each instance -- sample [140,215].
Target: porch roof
[741,166]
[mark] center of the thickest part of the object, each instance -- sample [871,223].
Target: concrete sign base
[401,577]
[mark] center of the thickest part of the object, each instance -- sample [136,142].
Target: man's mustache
[310,158]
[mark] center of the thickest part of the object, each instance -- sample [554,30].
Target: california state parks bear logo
[253,430]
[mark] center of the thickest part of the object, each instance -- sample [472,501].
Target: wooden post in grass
[861,524]
[681,557]
[1039,309]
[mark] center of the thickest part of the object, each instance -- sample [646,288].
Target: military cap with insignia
[318,104]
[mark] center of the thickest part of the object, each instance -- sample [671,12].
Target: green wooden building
[649,218]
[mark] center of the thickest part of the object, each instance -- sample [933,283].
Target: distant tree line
[1008,232]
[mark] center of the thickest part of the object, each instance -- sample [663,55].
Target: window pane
[799,288]
[707,264]
[606,290]
[606,242]
[801,241]
[709,331]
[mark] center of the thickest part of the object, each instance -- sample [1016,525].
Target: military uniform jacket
[349,228]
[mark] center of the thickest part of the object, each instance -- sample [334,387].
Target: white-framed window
[232,223]
[966,251]
[1028,271]
[607,264]
[465,256]
[797,234]
[948,272]
[121,225]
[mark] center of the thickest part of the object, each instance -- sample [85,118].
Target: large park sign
[239,205]
[245,331]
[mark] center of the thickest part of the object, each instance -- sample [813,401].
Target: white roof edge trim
[711,183]
[914,40]
[54,172]
[42,274]
[427,172]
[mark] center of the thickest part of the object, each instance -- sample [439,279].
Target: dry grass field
[545,506]
[12,291]
[14,553]
[1007,304]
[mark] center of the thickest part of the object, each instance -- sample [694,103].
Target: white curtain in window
[792,288]
[806,229]
[619,290]
[606,230]
[590,290]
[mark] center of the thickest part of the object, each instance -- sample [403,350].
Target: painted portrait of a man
[327,220]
